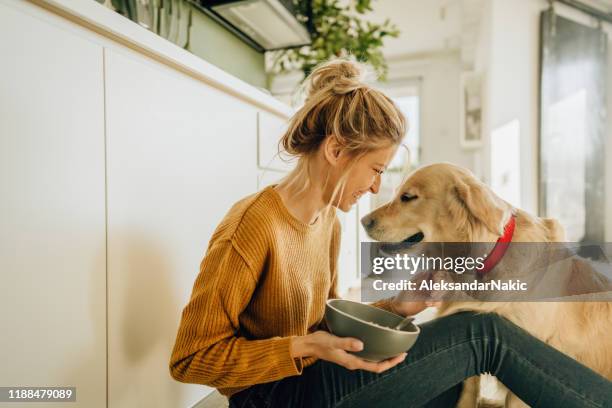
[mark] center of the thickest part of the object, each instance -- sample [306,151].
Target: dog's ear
[481,203]
[586,279]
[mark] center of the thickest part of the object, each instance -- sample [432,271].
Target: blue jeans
[448,350]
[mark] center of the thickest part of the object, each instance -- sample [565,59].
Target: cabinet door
[179,154]
[52,215]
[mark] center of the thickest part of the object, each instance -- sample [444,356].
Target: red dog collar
[500,248]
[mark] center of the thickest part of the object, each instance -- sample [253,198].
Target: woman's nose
[376,185]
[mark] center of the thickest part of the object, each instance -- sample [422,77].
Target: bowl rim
[329,301]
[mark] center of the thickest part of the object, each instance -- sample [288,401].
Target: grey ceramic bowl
[346,318]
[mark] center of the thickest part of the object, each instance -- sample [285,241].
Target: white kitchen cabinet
[270,129]
[52,213]
[179,154]
[119,155]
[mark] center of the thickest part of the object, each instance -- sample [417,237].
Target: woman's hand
[406,308]
[402,305]
[326,346]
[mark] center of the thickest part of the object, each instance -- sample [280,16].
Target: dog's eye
[407,197]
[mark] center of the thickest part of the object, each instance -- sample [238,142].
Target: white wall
[513,84]
[439,73]
[511,59]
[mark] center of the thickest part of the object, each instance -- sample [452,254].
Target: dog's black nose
[368,222]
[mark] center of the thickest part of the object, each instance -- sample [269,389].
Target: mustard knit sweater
[265,278]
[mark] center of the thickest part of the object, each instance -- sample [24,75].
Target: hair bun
[339,76]
[341,104]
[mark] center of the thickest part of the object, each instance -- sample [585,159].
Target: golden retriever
[446,203]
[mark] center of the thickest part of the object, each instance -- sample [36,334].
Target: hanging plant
[338,29]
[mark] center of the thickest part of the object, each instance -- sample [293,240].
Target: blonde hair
[340,104]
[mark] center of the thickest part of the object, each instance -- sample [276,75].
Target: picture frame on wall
[470,110]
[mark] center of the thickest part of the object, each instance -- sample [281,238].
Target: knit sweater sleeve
[208,349]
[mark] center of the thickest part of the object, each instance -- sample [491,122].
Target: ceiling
[425,26]
[431,26]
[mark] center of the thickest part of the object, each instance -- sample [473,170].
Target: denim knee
[491,325]
[493,331]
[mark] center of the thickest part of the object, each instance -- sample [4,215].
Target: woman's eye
[379,171]
[407,197]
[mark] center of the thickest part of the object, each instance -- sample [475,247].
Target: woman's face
[364,175]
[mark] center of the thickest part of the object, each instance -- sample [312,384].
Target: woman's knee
[486,328]
[494,333]
[493,325]
[481,324]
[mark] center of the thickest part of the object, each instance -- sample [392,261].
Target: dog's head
[440,203]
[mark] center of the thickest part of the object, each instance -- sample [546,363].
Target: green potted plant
[338,29]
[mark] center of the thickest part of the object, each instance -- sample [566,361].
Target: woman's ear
[332,149]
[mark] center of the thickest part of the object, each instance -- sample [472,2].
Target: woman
[253,327]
